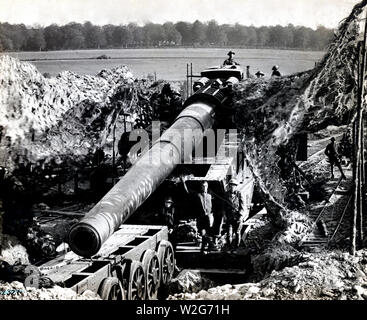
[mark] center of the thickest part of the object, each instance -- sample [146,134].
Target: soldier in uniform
[168,213]
[205,218]
[331,153]
[275,72]
[235,214]
[248,73]
[230,61]
[166,216]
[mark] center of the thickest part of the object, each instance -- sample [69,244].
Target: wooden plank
[63,213]
[220,271]
[62,272]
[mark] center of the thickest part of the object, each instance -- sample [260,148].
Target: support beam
[357,234]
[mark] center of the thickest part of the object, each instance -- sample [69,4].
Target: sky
[310,13]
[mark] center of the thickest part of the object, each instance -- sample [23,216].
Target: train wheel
[167,261]
[152,272]
[136,287]
[111,289]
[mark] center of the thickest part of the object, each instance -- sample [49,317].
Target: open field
[169,64]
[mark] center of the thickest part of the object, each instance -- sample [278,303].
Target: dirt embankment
[65,118]
[16,290]
[322,276]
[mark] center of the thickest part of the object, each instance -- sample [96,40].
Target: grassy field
[169,64]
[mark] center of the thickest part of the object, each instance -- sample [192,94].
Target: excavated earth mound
[65,118]
[324,276]
[16,290]
[12,251]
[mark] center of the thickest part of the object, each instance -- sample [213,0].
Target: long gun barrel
[87,236]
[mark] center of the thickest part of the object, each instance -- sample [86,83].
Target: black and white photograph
[188,152]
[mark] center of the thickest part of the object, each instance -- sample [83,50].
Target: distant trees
[172,36]
[198,33]
[35,40]
[94,37]
[13,37]
[73,35]
[302,38]
[154,34]
[215,35]
[121,37]
[184,28]
[54,37]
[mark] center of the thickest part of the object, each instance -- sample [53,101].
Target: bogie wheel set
[142,279]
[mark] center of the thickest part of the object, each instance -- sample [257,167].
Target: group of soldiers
[209,220]
[259,74]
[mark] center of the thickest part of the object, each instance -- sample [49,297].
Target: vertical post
[354,151]
[355,207]
[360,143]
[113,153]
[363,177]
[1,223]
[190,78]
[361,170]
[357,210]
[355,161]
[124,132]
[356,168]
[187,80]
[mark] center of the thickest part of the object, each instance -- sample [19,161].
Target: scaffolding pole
[357,233]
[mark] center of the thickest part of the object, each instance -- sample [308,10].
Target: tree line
[18,37]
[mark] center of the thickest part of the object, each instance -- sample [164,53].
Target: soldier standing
[331,153]
[230,61]
[168,213]
[166,216]
[235,214]
[205,218]
[248,73]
